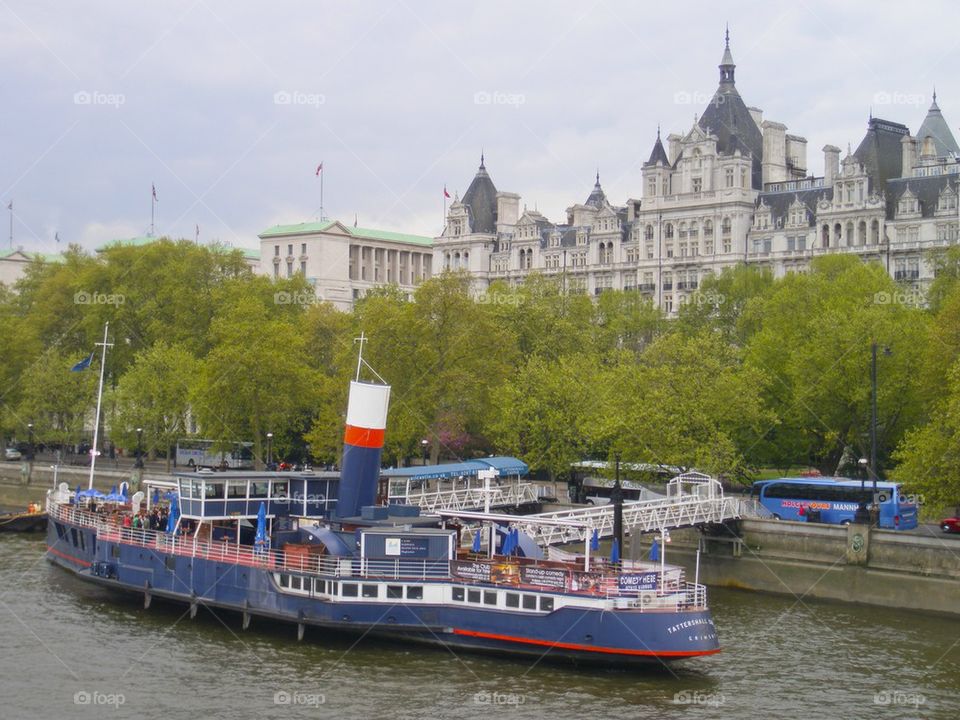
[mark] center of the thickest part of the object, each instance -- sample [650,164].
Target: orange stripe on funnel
[363,437]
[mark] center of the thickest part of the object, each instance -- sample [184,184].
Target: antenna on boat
[96,422]
[363,363]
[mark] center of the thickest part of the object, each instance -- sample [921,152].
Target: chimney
[508,211]
[673,141]
[757,115]
[831,164]
[908,148]
[362,447]
[774,163]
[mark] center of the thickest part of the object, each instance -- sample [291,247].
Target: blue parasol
[655,550]
[507,547]
[615,551]
[260,540]
[174,516]
[476,540]
[156,496]
[595,540]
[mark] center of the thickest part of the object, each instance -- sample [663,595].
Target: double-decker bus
[203,454]
[835,499]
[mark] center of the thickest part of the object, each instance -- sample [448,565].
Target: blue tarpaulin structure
[502,464]
[476,540]
[335,544]
[655,550]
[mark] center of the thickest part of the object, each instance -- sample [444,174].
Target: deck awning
[502,464]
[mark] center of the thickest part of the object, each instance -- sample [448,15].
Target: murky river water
[73,650]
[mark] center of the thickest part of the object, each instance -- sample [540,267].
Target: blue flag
[83,364]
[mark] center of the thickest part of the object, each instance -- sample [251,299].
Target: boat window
[259,489]
[489,597]
[280,488]
[213,491]
[73,534]
[473,596]
[513,600]
[295,582]
[285,581]
[458,594]
[236,489]
[83,545]
[320,586]
[197,489]
[349,590]
[371,591]
[414,592]
[529,602]
[546,603]
[395,591]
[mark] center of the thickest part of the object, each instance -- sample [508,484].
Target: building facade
[732,188]
[343,263]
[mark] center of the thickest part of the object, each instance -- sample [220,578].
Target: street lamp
[616,497]
[29,441]
[424,444]
[139,463]
[269,450]
[874,508]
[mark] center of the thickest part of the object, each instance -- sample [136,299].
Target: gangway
[691,499]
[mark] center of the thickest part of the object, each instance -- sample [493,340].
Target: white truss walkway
[691,499]
[432,501]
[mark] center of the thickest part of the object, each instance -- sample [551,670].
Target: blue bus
[836,500]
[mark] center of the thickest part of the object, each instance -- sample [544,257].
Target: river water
[72,650]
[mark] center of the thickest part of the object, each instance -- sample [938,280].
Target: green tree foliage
[55,399]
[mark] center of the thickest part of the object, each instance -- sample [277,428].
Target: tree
[721,301]
[154,394]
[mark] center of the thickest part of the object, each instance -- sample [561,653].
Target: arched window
[862,233]
[725,226]
[668,231]
[826,236]
[708,229]
[837,233]
[849,234]
[875,232]
[648,232]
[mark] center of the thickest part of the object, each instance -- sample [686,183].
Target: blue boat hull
[581,635]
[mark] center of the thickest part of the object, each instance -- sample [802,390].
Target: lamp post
[139,463]
[424,444]
[269,451]
[874,508]
[30,441]
[616,497]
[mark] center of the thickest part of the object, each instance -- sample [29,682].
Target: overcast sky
[228,107]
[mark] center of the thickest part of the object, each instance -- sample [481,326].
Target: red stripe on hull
[71,558]
[584,648]
[363,437]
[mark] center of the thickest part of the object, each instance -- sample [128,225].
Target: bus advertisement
[835,500]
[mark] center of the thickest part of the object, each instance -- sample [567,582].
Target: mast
[96,423]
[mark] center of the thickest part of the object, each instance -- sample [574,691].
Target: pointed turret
[481,197]
[658,154]
[597,197]
[934,136]
[727,66]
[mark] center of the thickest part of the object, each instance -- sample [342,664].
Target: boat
[34,519]
[313,550]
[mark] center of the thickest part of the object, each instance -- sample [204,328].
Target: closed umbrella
[595,540]
[476,541]
[655,550]
[173,516]
[260,540]
[615,551]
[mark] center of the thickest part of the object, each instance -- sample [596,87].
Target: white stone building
[733,188]
[343,263]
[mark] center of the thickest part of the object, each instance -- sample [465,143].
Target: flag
[319,168]
[445,193]
[10,205]
[56,236]
[354,219]
[83,364]
[153,191]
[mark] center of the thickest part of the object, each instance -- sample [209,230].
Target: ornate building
[733,188]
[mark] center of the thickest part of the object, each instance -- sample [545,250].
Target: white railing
[469,498]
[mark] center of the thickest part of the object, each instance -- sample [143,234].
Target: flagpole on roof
[153,202]
[10,208]
[96,422]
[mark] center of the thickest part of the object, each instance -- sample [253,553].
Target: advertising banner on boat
[586,582]
[407,547]
[479,572]
[544,577]
[638,581]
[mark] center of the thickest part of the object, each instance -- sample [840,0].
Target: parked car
[950,525]
[11,453]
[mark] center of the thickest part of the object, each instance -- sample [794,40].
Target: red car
[950,525]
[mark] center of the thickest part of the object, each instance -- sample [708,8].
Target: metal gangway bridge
[691,499]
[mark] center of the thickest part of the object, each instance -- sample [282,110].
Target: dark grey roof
[937,129]
[597,198]
[728,118]
[880,151]
[481,198]
[780,202]
[927,189]
[658,154]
